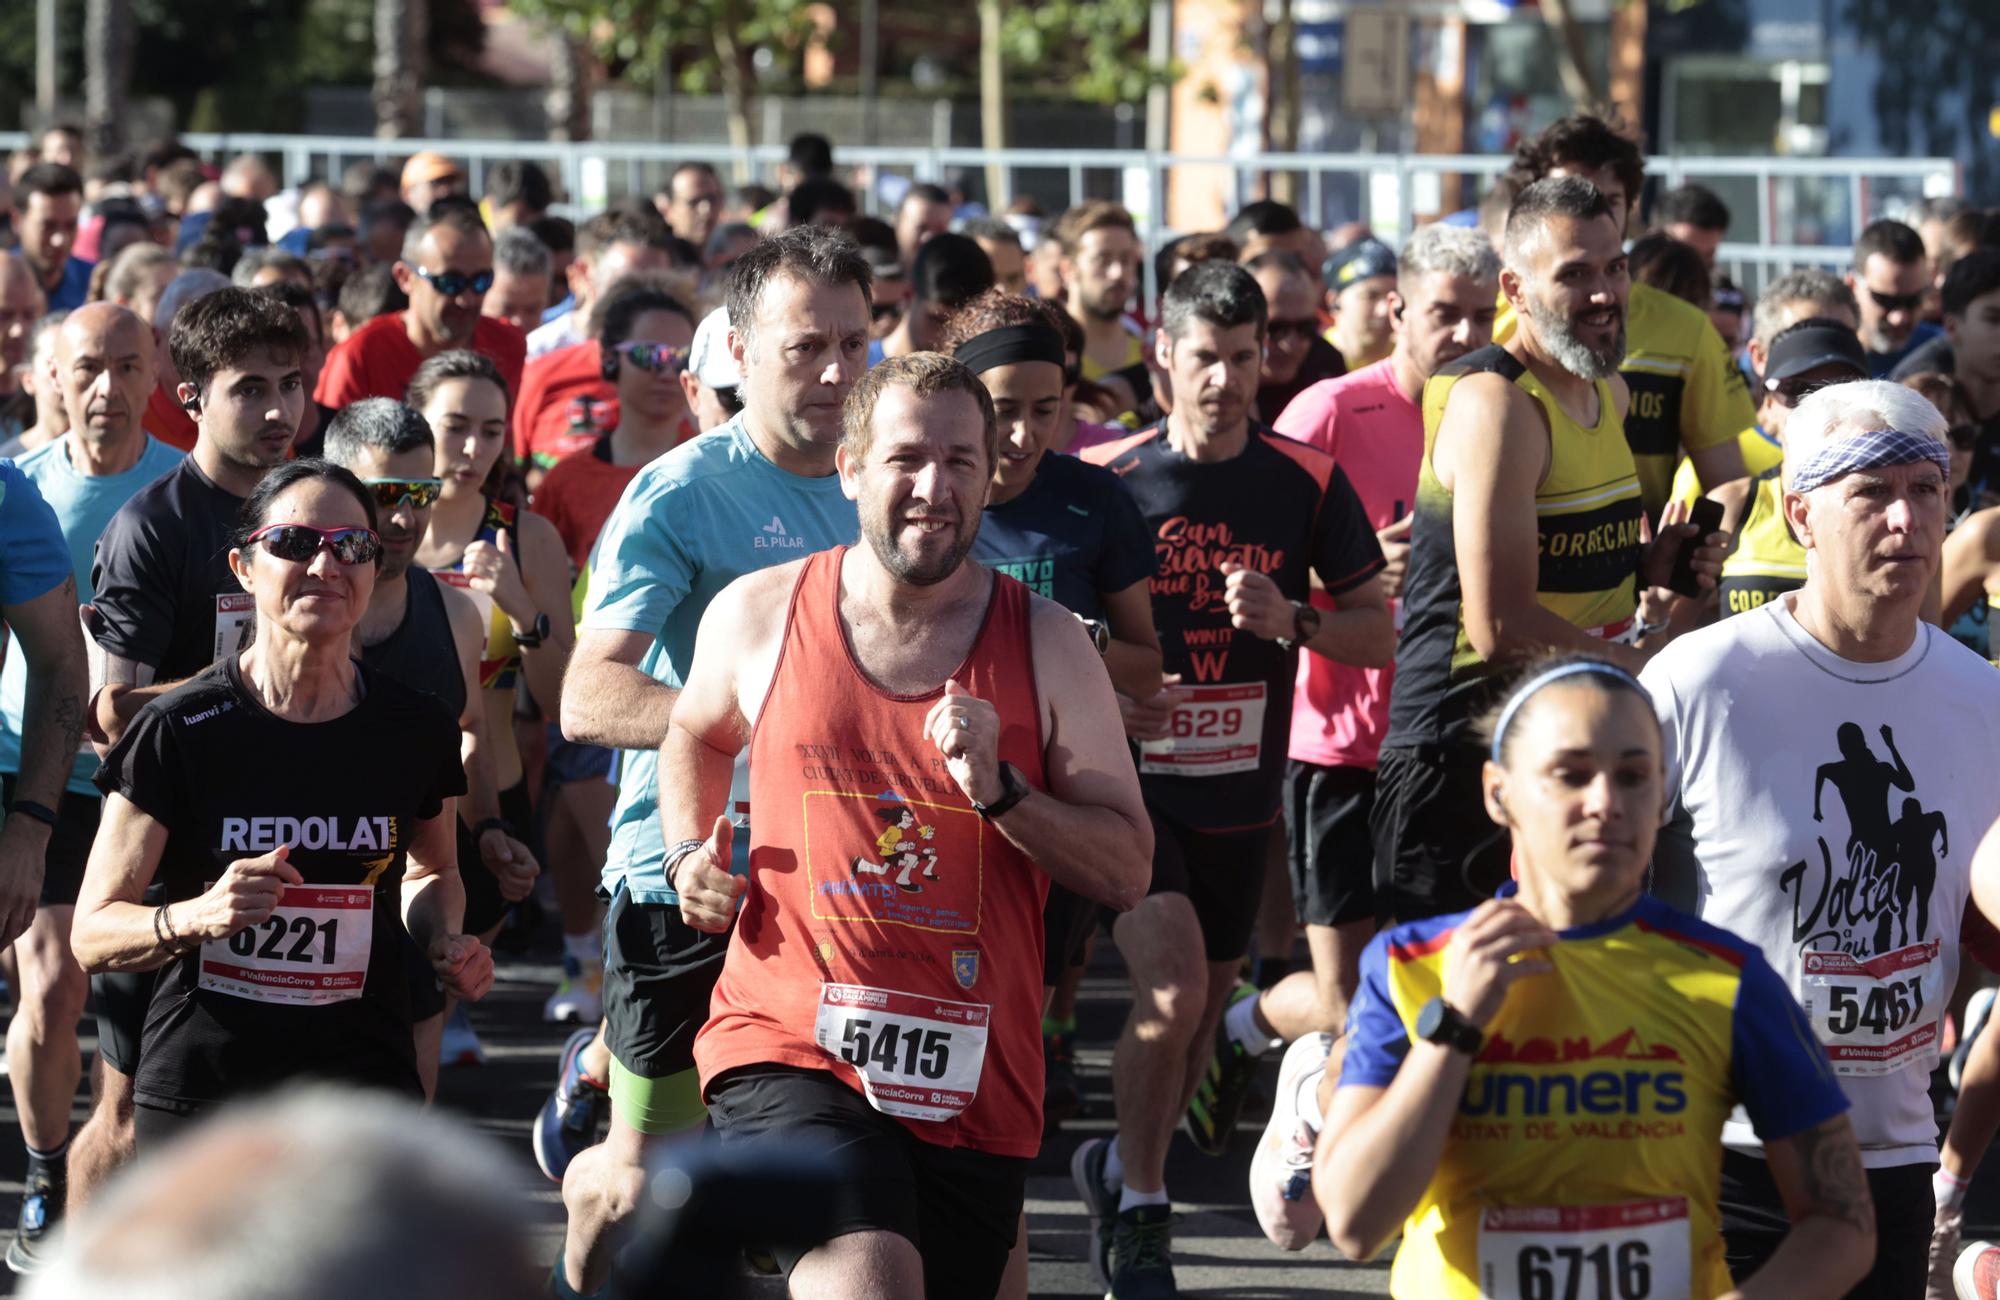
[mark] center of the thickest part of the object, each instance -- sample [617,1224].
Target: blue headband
[1871,450]
[1591,666]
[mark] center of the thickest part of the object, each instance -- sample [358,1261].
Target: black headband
[1009,344]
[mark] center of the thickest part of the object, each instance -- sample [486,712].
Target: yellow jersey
[1767,561]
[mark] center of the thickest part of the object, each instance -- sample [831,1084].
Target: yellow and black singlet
[1767,561]
[1588,512]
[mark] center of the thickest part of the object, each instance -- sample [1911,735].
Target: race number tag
[1878,1015]
[918,1058]
[1216,730]
[235,623]
[1636,1251]
[311,952]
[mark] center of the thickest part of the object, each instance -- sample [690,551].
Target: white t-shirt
[1833,809]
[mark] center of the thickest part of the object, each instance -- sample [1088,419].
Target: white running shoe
[1281,1169]
[1976,1276]
[578,1000]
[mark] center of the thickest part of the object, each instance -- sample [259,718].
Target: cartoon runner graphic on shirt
[897,850]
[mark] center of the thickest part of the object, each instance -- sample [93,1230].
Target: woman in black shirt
[296,809]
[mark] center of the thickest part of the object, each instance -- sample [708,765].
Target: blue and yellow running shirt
[1586,1155]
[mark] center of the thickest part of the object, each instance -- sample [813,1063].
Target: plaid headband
[1871,450]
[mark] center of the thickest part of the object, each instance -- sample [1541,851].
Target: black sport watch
[535,635]
[1013,788]
[1305,626]
[1438,1023]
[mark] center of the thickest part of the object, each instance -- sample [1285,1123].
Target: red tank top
[888,933]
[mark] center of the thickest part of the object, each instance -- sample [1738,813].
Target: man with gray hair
[520,291]
[166,419]
[1829,757]
[358,1194]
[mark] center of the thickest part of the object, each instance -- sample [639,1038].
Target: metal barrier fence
[1808,210]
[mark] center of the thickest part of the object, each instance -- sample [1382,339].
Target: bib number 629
[1603,1272]
[923,1052]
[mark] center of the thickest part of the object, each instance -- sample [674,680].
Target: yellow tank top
[1588,510]
[1767,561]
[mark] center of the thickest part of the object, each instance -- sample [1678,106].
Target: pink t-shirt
[1376,435]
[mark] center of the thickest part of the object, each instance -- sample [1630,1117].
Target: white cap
[709,358]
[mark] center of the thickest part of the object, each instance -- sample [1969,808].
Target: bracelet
[163,930]
[41,812]
[673,859]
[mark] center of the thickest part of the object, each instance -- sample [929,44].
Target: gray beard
[1571,352]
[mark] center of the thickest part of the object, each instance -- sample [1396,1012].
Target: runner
[610,246]
[1359,281]
[946,272]
[1533,1090]
[1516,450]
[1100,252]
[427,634]
[759,491]
[50,196]
[1296,357]
[104,361]
[167,605]
[712,379]
[1241,520]
[513,567]
[996,765]
[446,269]
[1686,392]
[1371,423]
[275,947]
[1850,727]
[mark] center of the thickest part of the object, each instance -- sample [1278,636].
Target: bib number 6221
[1602,1272]
[908,1051]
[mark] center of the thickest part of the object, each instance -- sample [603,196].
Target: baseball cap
[709,357]
[1799,350]
[1360,260]
[428,166]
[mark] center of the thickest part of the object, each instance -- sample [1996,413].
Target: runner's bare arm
[1825,1190]
[1971,554]
[1985,872]
[1360,629]
[1722,463]
[434,908]
[128,688]
[114,930]
[1492,451]
[1133,659]
[545,568]
[468,636]
[45,633]
[1380,1147]
[1089,831]
[606,698]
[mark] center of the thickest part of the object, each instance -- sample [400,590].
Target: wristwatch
[535,635]
[1305,626]
[1438,1023]
[1013,788]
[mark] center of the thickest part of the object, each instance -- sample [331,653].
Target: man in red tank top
[934,745]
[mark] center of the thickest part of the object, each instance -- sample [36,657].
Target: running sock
[1114,1168]
[1131,1197]
[1052,1027]
[1240,1023]
[1949,1189]
[586,949]
[55,1161]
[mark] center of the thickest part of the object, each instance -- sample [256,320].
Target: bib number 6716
[1603,1272]
[894,1049]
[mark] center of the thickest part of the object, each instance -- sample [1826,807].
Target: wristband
[673,859]
[41,812]
[1948,1188]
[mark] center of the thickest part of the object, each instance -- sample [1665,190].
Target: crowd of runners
[844,626]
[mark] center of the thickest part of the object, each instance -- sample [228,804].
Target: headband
[1593,667]
[1871,450]
[1010,344]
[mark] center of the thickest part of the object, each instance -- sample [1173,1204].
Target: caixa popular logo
[845,995]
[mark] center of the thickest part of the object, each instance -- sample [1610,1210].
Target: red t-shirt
[887,928]
[165,420]
[544,428]
[378,360]
[578,496]
[1340,713]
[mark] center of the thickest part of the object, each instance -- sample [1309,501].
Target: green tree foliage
[711,41]
[1092,50]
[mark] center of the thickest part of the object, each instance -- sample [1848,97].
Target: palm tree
[107,76]
[402,29]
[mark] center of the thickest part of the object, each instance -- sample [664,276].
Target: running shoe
[1142,1264]
[1944,1253]
[1086,1170]
[1978,1011]
[1060,1096]
[1281,1170]
[578,999]
[1218,1101]
[460,1045]
[567,1124]
[1976,1276]
[41,1211]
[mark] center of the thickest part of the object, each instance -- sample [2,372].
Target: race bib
[311,952]
[1636,1251]
[235,623]
[918,1057]
[1878,1015]
[1216,730]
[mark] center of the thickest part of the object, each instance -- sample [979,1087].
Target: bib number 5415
[908,1051]
[1602,1272]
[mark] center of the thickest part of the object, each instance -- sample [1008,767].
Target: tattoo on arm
[1835,1184]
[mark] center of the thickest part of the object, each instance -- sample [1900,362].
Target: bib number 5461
[909,1051]
[1603,1272]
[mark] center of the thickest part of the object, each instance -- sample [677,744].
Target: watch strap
[1017,788]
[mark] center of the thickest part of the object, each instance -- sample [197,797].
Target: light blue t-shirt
[83,505]
[688,525]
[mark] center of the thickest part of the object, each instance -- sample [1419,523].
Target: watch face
[1430,1018]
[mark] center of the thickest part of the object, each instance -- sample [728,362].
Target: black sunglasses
[299,543]
[1897,301]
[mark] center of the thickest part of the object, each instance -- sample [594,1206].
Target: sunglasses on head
[654,358]
[1302,329]
[453,283]
[299,543]
[1897,301]
[392,492]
